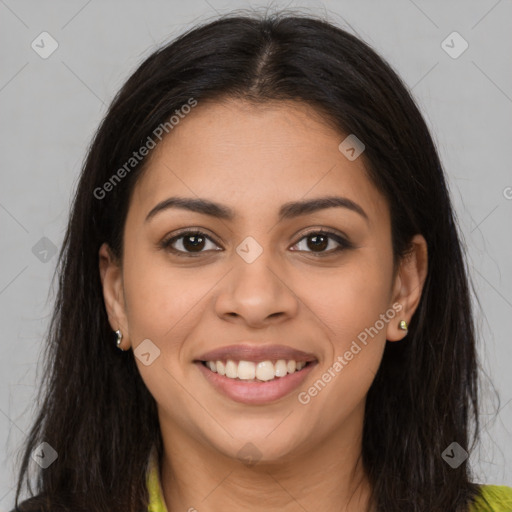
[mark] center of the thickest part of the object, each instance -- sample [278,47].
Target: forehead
[251,157]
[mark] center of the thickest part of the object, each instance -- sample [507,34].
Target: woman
[264,222]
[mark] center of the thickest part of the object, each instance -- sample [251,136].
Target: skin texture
[254,159]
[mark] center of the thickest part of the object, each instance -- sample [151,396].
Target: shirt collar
[156,500]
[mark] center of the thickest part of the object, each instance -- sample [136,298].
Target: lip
[256,393]
[256,353]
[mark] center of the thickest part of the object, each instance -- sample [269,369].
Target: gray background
[51,107]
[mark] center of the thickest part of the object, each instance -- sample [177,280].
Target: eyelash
[343,243]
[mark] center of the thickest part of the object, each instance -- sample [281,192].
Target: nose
[256,295]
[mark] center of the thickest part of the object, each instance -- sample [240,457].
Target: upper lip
[256,353]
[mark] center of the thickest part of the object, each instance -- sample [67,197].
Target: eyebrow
[287,211]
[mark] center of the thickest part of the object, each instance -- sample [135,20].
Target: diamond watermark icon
[454,455]
[249,454]
[351,147]
[44,45]
[249,250]
[44,455]
[44,250]
[147,352]
[454,45]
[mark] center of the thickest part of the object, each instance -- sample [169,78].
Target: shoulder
[493,498]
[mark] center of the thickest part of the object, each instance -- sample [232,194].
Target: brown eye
[318,241]
[190,241]
[194,243]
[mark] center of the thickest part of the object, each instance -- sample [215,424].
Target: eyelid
[321,230]
[192,231]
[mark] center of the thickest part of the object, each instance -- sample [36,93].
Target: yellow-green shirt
[156,500]
[498,496]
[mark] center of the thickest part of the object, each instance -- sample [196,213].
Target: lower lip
[256,393]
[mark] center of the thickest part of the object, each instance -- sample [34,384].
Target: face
[193,281]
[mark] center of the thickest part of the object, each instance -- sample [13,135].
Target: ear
[113,293]
[408,286]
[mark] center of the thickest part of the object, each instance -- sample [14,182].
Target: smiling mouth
[262,371]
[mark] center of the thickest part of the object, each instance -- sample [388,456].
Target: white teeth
[248,370]
[265,370]
[231,369]
[280,367]
[221,368]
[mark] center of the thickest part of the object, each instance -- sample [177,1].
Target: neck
[327,477]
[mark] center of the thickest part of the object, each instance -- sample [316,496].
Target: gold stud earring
[403,325]
[119,338]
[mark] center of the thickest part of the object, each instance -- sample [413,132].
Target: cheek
[350,299]
[160,300]
[351,307]
[163,305]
